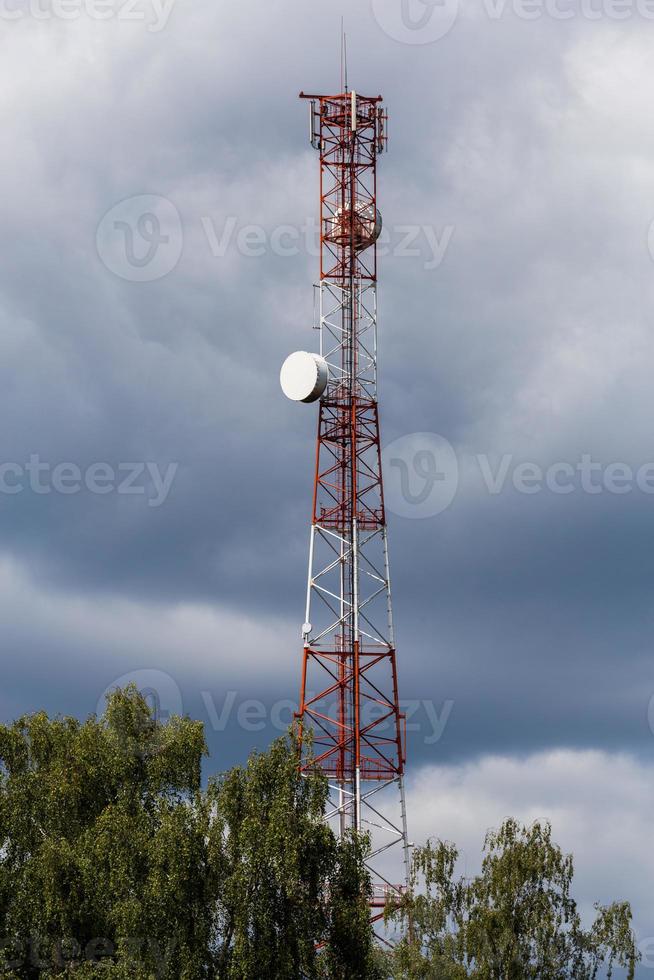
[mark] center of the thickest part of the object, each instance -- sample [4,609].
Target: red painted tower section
[349,688]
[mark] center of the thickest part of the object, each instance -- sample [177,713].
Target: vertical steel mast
[349,689]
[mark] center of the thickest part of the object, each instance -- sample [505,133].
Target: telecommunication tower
[349,687]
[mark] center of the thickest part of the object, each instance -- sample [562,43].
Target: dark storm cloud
[531,337]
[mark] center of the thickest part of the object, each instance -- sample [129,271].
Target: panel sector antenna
[349,686]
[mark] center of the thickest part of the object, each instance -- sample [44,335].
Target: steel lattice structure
[349,688]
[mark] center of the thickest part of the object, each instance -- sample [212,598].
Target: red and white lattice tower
[349,690]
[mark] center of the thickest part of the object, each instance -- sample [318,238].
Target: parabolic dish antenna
[304,376]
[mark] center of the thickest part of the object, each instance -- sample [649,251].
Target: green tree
[350,952]
[116,864]
[515,921]
[283,884]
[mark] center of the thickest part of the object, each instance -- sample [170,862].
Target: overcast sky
[158,249]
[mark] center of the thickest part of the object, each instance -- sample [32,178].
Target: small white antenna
[342,59]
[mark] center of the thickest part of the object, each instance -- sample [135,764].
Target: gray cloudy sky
[516,328]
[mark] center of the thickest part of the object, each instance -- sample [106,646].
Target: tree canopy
[516,920]
[116,863]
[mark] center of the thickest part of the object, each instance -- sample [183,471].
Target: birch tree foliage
[116,863]
[516,920]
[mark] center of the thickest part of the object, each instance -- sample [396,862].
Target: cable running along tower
[349,689]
